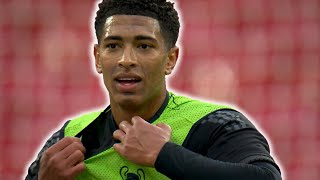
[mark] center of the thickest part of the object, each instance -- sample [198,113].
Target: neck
[146,111]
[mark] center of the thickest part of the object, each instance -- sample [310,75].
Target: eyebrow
[139,37]
[112,38]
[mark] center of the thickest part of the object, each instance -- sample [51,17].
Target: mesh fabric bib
[181,113]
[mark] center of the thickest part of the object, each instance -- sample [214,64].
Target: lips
[127,82]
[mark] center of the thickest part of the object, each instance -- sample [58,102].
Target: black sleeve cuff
[167,154]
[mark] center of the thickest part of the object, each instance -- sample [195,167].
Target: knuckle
[78,146]
[52,161]
[47,154]
[79,154]
[126,149]
[75,145]
[116,133]
[69,139]
[83,149]
[137,120]
[129,131]
[82,166]
[117,147]
[122,123]
[125,153]
[78,169]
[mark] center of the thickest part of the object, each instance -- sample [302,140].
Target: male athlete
[148,132]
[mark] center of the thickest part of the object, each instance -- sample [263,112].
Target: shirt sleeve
[35,166]
[223,145]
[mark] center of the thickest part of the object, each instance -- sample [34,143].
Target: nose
[128,59]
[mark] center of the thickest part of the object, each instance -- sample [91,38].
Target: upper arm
[228,136]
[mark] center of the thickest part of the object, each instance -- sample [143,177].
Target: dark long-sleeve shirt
[222,145]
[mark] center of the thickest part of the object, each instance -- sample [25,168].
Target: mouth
[127,83]
[128,80]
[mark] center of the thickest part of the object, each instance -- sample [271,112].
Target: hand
[63,160]
[141,142]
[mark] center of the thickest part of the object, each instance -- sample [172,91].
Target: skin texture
[141,141]
[131,47]
[63,160]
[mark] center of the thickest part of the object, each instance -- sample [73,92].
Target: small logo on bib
[126,175]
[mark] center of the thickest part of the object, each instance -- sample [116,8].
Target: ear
[97,58]
[172,60]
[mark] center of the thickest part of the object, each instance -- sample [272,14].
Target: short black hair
[160,10]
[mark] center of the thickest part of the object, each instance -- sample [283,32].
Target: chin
[129,101]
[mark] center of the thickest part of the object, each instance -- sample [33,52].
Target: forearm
[176,162]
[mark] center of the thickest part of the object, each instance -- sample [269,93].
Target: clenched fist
[63,160]
[141,142]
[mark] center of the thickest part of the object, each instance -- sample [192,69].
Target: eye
[144,46]
[112,46]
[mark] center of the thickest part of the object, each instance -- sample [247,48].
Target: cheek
[107,65]
[107,69]
[155,71]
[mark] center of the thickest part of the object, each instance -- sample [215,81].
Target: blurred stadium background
[263,56]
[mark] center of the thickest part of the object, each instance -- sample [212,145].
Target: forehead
[118,24]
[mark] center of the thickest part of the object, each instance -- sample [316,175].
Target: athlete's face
[133,58]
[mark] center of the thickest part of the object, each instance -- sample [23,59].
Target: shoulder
[221,121]
[79,123]
[182,100]
[189,105]
[219,127]
[231,119]
[224,123]
[228,135]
